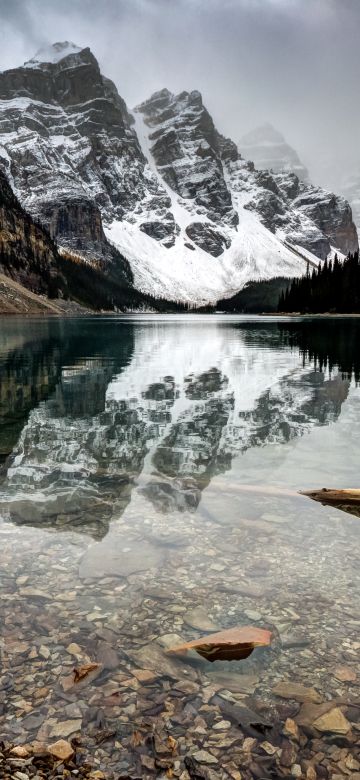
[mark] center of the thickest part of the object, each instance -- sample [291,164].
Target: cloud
[294,63]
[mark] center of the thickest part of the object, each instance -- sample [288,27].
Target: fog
[294,63]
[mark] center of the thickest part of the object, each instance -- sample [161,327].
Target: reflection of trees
[27,376]
[328,343]
[331,343]
[31,369]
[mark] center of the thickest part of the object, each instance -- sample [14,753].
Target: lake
[150,470]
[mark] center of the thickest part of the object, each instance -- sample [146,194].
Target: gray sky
[295,63]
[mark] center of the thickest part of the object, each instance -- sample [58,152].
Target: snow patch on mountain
[53,53]
[188,273]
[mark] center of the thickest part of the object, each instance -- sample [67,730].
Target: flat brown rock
[345,674]
[310,712]
[235,683]
[65,728]
[230,644]
[333,721]
[289,690]
[61,750]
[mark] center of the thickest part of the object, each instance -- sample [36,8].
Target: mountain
[27,253]
[158,198]
[32,270]
[349,186]
[269,150]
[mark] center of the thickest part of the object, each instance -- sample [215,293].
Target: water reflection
[92,408]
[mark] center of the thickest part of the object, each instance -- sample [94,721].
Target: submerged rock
[333,722]
[119,557]
[198,618]
[61,750]
[289,690]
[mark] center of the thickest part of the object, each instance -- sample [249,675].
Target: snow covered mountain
[194,220]
[269,150]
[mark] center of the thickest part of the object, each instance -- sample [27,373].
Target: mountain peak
[265,133]
[269,150]
[53,53]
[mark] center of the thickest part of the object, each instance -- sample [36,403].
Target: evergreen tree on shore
[332,287]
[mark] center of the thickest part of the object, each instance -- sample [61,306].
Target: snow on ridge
[53,53]
[191,276]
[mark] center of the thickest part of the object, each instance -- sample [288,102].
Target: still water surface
[149,473]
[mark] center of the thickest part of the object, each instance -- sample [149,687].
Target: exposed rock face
[349,187]
[27,253]
[168,190]
[332,214]
[208,238]
[307,216]
[68,147]
[269,150]
[283,173]
[188,152]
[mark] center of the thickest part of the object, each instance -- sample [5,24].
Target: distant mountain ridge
[269,150]
[159,197]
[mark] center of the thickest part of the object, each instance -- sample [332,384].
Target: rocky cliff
[27,253]
[186,217]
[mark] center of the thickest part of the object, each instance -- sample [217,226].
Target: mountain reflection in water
[91,409]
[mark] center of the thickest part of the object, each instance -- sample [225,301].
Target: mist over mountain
[292,63]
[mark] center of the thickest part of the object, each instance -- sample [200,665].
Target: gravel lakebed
[115,606]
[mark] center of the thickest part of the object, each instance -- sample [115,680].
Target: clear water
[150,467]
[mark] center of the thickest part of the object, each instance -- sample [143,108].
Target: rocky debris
[17,299]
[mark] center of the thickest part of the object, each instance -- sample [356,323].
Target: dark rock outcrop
[208,238]
[188,152]
[79,160]
[27,252]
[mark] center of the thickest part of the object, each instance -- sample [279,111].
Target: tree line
[333,286]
